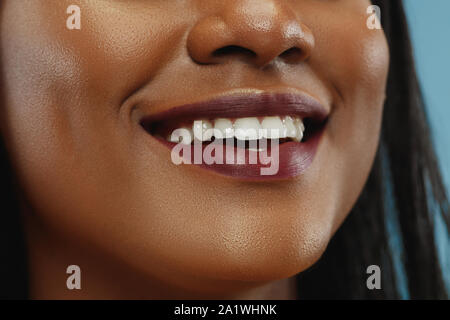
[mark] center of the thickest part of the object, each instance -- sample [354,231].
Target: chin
[263,260]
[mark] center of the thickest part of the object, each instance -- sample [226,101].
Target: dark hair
[13,264]
[405,185]
[405,165]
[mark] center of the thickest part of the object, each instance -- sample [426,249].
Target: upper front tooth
[247,128]
[273,128]
[201,130]
[225,126]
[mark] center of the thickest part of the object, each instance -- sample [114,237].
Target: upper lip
[245,105]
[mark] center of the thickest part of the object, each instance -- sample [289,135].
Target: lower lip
[293,160]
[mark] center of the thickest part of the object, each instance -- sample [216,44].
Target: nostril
[234,51]
[292,55]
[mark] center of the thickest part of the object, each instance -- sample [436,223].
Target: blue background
[429,22]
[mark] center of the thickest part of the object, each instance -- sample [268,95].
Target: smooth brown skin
[101,193]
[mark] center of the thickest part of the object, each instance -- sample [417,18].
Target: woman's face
[73,102]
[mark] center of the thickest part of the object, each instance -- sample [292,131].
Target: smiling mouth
[292,122]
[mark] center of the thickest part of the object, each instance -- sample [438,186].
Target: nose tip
[255,31]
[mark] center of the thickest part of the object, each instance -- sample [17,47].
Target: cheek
[62,85]
[354,63]
[61,110]
[359,76]
[111,54]
[353,58]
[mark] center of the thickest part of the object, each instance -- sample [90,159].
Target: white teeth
[250,128]
[201,130]
[300,129]
[225,126]
[291,129]
[300,124]
[274,128]
[247,129]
